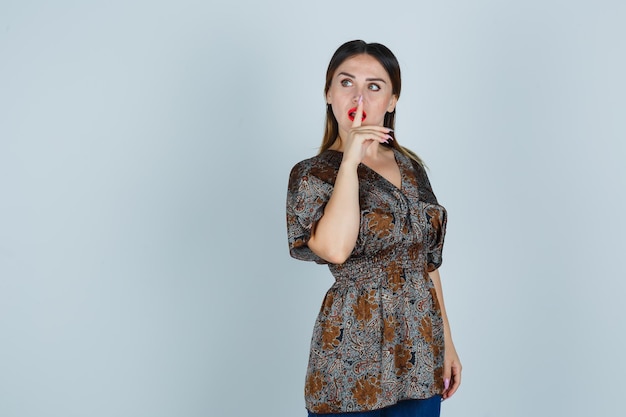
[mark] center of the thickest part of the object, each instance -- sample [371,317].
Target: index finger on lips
[359,113]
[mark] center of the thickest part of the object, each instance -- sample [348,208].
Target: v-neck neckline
[376,173]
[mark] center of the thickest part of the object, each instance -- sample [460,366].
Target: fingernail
[390,129]
[360,99]
[446,384]
[389,137]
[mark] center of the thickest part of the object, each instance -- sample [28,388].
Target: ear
[328,99]
[392,103]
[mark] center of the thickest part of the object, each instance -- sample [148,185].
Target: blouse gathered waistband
[357,269]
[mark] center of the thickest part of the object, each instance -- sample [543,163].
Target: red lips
[352,113]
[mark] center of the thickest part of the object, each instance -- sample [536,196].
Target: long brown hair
[389,62]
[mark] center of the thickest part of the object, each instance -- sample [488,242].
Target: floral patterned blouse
[378,338]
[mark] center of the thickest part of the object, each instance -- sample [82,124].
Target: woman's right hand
[360,138]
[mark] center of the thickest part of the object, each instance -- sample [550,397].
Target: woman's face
[356,76]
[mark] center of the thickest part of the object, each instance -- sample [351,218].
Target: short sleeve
[437,218]
[307,196]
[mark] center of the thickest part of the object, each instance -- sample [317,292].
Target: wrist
[349,163]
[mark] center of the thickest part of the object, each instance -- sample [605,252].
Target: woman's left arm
[451,363]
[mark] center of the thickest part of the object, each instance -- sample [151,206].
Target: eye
[346,83]
[374,87]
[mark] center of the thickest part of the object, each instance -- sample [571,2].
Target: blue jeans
[408,408]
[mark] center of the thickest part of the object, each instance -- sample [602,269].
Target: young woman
[381,344]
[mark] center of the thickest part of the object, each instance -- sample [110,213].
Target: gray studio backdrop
[144,154]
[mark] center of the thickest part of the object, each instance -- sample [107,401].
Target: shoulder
[413,163]
[418,178]
[323,167]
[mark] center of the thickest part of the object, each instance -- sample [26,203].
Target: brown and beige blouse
[378,338]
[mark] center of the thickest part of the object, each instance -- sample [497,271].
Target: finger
[367,134]
[381,129]
[359,113]
[455,381]
[455,385]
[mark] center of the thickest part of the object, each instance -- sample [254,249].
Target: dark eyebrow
[346,74]
[367,79]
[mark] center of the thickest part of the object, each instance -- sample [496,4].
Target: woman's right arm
[334,236]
